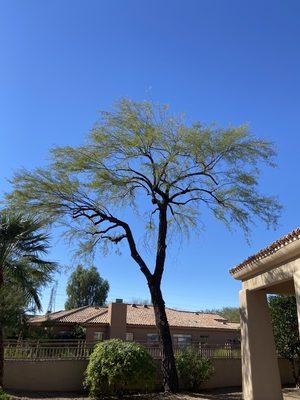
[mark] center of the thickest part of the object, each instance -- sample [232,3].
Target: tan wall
[68,375]
[214,336]
[44,376]
[90,330]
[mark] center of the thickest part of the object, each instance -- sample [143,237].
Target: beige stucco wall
[68,375]
[44,375]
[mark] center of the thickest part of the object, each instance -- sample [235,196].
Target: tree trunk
[1,336]
[169,372]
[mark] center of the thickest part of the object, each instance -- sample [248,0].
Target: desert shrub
[4,396]
[117,367]
[193,369]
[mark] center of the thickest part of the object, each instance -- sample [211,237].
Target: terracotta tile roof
[55,316]
[76,315]
[267,251]
[138,315]
[85,315]
[141,315]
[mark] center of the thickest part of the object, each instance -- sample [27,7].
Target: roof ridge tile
[268,250]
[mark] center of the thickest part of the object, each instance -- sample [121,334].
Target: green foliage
[13,309]
[285,325]
[86,287]
[118,367]
[232,314]
[78,332]
[4,395]
[286,333]
[38,332]
[21,245]
[141,150]
[193,369]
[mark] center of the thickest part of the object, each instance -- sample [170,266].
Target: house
[134,322]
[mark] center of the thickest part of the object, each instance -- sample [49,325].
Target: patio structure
[273,270]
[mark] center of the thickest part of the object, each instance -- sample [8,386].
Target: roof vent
[133,305]
[145,306]
[119,300]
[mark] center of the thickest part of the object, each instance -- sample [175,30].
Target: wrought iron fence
[81,350]
[47,350]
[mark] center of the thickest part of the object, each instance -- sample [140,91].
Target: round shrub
[193,369]
[117,367]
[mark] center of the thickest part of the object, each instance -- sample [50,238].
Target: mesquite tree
[142,162]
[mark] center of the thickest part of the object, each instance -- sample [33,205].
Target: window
[129,337]
[203,339]
[98,336]
[182,340]
[152,338]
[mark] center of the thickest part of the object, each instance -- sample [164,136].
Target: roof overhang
[271,257]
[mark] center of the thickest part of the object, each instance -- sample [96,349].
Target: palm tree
[22,244]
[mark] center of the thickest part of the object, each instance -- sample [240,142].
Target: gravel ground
[230,394]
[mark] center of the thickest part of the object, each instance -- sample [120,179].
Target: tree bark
[169,372]
[1,336]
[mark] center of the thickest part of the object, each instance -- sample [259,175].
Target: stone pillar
[297,293]
[117,315]
[261,379]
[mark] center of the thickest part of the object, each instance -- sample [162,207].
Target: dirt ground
[230,394]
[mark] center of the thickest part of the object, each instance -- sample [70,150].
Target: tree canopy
[142,162]
[139,149]
[232,314]
[86,287]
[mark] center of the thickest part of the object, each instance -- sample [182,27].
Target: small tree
[286,333]
[86,288]
[142,162]
[22,243]
[193,369]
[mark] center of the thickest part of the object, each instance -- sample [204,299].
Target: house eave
[281,256]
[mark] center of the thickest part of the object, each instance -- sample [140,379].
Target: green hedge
[117,367]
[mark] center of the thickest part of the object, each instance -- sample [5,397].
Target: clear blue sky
[226,61]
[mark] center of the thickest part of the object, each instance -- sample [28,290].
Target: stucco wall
[214,336]
[68,375]
[59,375]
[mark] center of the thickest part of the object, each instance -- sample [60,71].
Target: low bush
[3,395]
[117,367]
[193,369]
